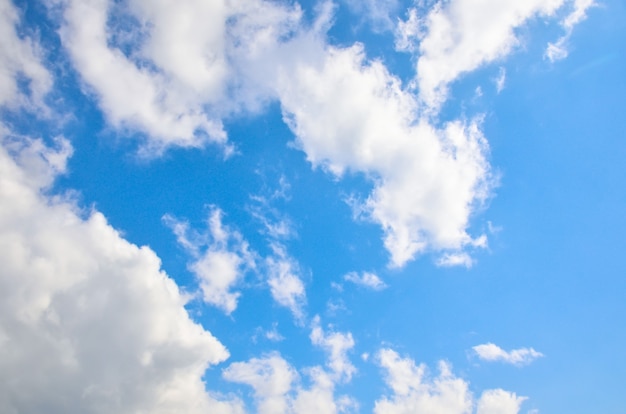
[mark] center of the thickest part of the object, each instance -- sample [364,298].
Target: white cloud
[89,322]
[222,264]
[320,398]
[414,391]
[271,378]
[191,63]
[180,67]
[459,36]
[337,345]
[19,56]
[276,225]
[492,352]
[558,50]
[408,32]
[367,279]
[455,259]
[144,97]
[284,281]
[499,402]
[350,115]
[278,388]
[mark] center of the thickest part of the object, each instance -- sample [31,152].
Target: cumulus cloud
[337,345]
[415,391]
[88,321]
[172,70]
[367,279]
[20,56]
[221,258]
[138,95]
[491,352]
[279,389]
[179,69]
[353,115]
[271,378]
[459,36]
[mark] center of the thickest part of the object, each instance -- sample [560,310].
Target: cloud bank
[88,321]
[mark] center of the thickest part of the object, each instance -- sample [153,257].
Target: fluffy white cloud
[278,389]
[221,257]
[414,391]
[89,323]
[492,352]
[271,378]
[499,402]
[172,70]
[320,396]
[367,279]
[284,281]
[137,94]
[337,345]
[351,115]
[459,36]
[19,56]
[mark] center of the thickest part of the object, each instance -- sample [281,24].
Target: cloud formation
[414,391]
[88,321]
[349,114]
[279,389]
[174,72]
[558,50]
[367,280]
[285,283]
[459,36]
[221,258]
[171,71]
[493,353]
[20,57]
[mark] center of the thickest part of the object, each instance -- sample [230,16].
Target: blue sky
[341,207]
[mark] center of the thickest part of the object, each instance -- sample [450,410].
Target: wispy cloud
[558,50]
[366,279]
[221,257]
[493,353]
[285,283]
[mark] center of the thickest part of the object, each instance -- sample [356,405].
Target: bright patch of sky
[345,206]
